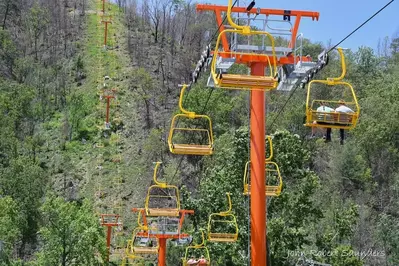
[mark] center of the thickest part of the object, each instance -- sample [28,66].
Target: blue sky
[338,18]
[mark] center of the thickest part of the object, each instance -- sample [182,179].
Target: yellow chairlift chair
[190,118]
[195,253]
[245,82]
[344,95]
[130,258]
[143,243]
[162,194]
[225,220]
[272,175]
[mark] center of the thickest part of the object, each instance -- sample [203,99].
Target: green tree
[37,21]
[8,53]
[25,182]
[71,234]
[9,230]
[388,234]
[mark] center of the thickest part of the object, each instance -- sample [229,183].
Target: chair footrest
[250,82]
[222,237]
[163,212]
[145,250]
[192,149]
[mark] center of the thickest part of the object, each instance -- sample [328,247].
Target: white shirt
[344,109]
[324,109]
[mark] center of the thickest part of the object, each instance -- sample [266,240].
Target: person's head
[341,102]
[322,103]
[202,257]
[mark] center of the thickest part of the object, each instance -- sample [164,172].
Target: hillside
[62,168]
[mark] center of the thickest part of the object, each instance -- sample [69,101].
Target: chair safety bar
[223,217]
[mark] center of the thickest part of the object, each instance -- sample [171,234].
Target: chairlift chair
[342,92]
[194,251]
[225,220]
[130,257]
[171,195]
[189,120]
[143,243]
[272,172]
[239,81]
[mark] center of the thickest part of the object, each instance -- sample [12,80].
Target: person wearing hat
[342,108]
[202,261]
[321,110]
[192,261]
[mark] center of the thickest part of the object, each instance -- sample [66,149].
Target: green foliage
[290,215]
[8,52]
[9,231]
[25,182]
[388,234]
[71,234]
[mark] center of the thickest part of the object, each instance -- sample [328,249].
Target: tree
[9,7]
[25,182]
[71,234]
[37,21]
[8,53]
[9,231]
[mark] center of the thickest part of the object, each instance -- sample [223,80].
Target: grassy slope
[117,187]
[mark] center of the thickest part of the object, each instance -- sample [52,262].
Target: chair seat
[222,237]
[271,191]
[163,212]
[332,120]
[197,264]
[192,149]
[249,82]
[145,250]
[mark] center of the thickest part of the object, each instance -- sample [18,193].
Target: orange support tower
[106,29]
[161,235]
[257,65]
[287,14]
[108,96]
[110,220]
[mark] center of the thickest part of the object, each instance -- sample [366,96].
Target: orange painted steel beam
[162,252]
[264,11]
[114,221]
[219,21]
[258,179]
[106,30]
[108,97]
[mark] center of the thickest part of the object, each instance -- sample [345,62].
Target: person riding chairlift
[202,261]
[192,261]
[342,108]
[325,109]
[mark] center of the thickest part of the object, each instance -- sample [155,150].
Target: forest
[83,118]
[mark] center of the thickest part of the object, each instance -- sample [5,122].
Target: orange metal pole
[258,197]
[264,11]
[108,241]
[162,252]
[219,21]
[106,32]
[107,116]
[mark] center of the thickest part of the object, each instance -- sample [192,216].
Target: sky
[338,18]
